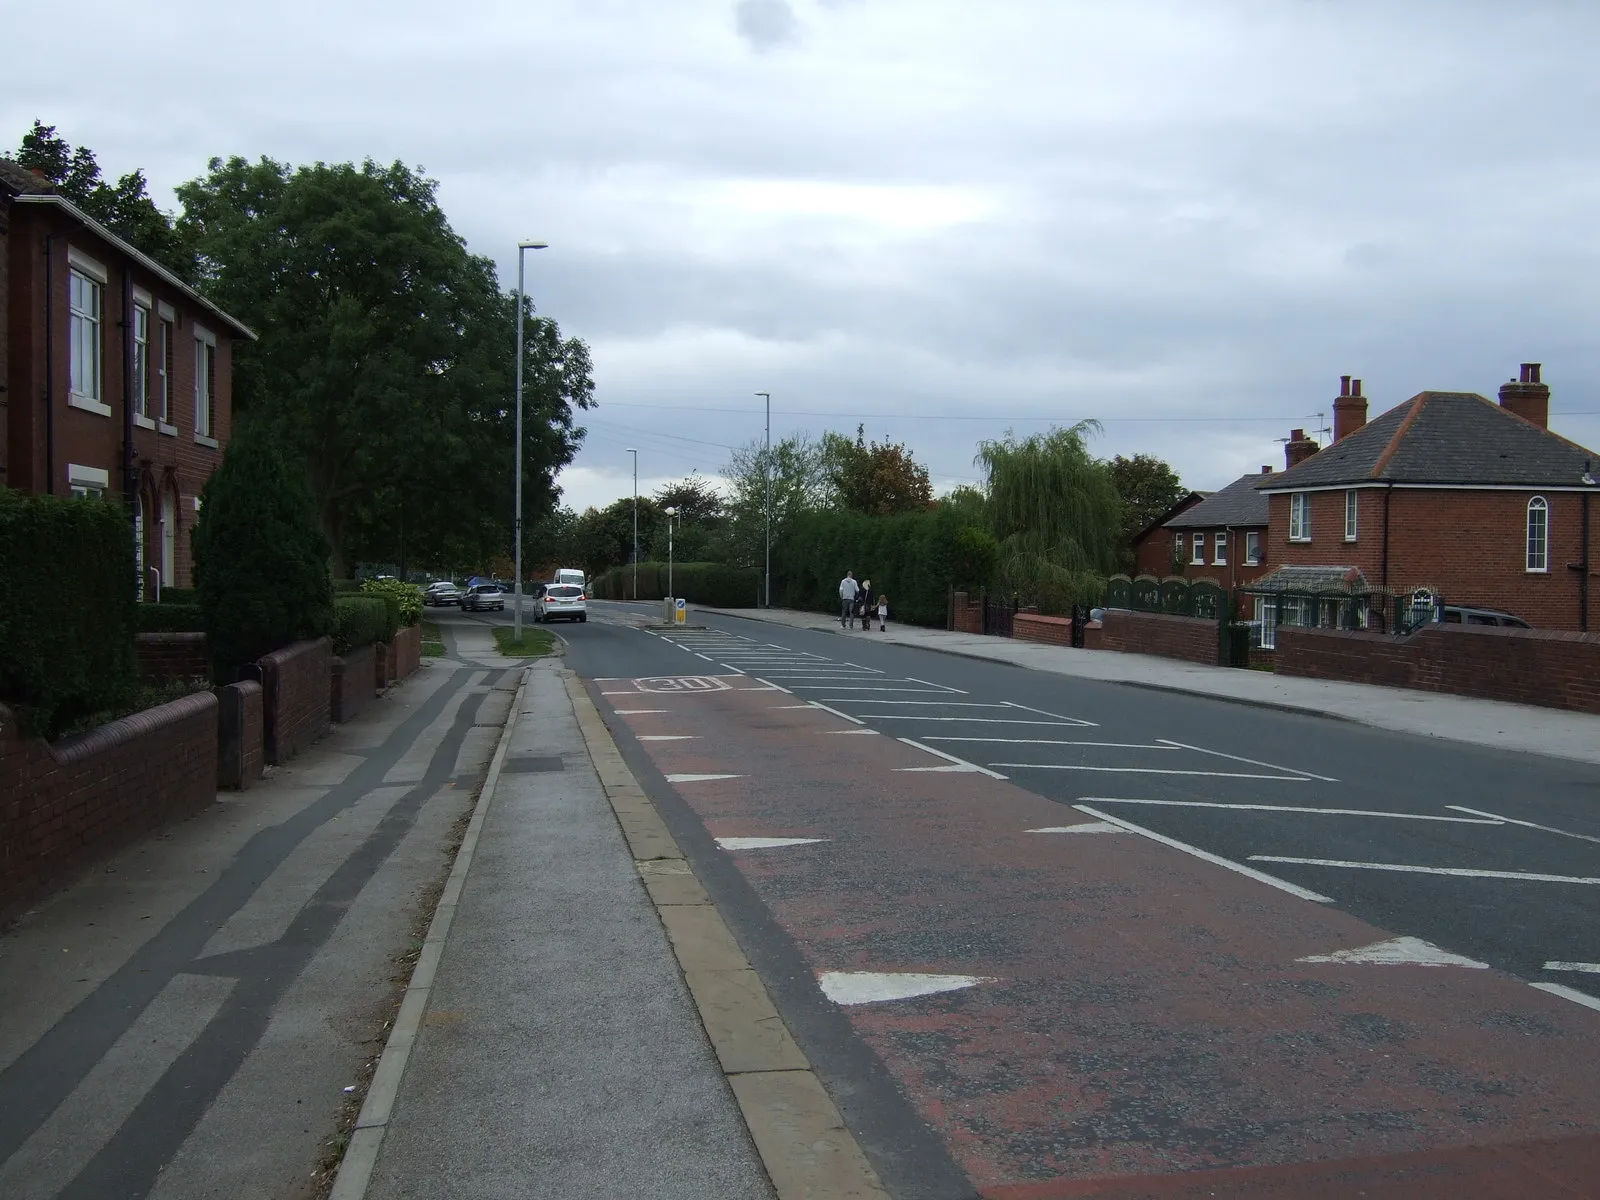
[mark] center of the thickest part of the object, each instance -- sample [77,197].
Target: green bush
[404,601]
[715,585]
[169,618]
[67,608]
[345,586]
[261,560]
[177,595]
[359,621]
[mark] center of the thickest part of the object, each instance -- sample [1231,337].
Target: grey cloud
[766,24]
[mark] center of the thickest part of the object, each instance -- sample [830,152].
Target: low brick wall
[241,754]
[294,685]
[82,798]
[1192,639]
[1549,668]
[966,614]
[405,653]
[1052,631]
[350,683]
[172,655]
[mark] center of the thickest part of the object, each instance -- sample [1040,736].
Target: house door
[169,537]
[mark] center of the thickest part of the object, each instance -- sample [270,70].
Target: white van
[570,575]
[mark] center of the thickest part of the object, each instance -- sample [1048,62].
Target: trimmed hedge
[177,595]
[67,609]
[715,585]
[359,621]
[169,618]
[404,601]
[346,586]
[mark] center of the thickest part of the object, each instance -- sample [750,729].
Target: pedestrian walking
[849,589]
[883,613]
[865,606]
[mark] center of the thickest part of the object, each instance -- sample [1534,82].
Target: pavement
[1515,727]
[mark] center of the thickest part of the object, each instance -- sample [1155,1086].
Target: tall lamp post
[672,514]
[766,472]
[516,523]
[635,454]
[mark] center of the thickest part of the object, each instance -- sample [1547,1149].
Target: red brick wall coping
[295,688]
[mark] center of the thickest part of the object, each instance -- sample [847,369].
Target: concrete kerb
[366,1139]
[793,1122]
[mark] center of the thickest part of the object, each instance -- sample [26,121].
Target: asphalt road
[1200,937]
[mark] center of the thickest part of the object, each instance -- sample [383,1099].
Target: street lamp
[516,523]
[671,515]
[766,471]
[635,454]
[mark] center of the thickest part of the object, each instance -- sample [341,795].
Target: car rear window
[564,591]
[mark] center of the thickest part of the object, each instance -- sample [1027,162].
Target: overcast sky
[940,219]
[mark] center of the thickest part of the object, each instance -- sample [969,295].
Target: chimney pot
[1344,385]
[1266,470]
[1528,396]
[1349,410]
[1298,449]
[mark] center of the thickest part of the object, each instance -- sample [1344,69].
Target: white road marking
[1566,993]
[634,712]
[772,685]
[960,764]
[707,657]
[973,720]
[941,686]
[1215,859]
[919,691]
[734,669]
[1254,762]
[920,703]
[857,732]
[782,706]
[1525,824]
[1289,808]
[668,737]
[1460,872]
[1045,713]
[1588,968]
[837,713]
[876,987]
[628,692]
[1082,827]
[1052,742]
[1146,771]
[764,843]
[1400,951]
[699,778]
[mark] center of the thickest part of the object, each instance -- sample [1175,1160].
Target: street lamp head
[533,245]
[671,512]
[630,450]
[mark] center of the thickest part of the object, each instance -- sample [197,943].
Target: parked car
[1452,614]
[441,593]
[562,600]
[482,596]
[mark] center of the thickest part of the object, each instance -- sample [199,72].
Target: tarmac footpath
[580,1022]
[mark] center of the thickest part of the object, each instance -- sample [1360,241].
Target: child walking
[883,613]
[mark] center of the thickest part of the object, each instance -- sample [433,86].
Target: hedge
[359,621]
[715,585]
[177,595]
[404,601]
[169,618]
[67,609]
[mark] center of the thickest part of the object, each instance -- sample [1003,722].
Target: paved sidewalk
[558,1053]
[1516,727]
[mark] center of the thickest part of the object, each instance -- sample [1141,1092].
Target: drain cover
[534,763]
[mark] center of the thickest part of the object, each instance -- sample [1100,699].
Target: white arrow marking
[1400,951]
[699,778]
[764,843]
[874,987]
[1085,827]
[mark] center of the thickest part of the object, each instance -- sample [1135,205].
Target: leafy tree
[1148,487]
[386,355]
[124,207]
[969,504]
[698,502]
[880,479]
[799,485]
[1055,514]
[604,536]
[260,558]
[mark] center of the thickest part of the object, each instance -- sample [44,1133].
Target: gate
[998,613]
[1080,618]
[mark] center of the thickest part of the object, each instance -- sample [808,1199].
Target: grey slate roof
[1443,438]
[17,179]
[1237,504]
[1317,581]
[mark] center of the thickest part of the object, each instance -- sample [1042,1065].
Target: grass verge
[534,643]
[432,640]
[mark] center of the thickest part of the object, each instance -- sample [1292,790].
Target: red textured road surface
[1143,1028]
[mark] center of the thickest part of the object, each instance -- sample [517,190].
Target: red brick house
[1224,536]
[116,375]
[1152,545]
[1478,502]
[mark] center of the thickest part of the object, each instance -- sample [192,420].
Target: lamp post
[635,454]
[766,472]
[672,514]
[516,523]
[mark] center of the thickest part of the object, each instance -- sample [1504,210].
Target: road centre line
[1217,860]
[707,657]
[837,713]
[1254,762]
[1566,993]
[1458,872]
[1146,771]
[734,669]
[951,758]
[1052,742]
[1287,808]
[1525,824]
[1587,968]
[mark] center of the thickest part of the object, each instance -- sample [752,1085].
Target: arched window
[1538,534]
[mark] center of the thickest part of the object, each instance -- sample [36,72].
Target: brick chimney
[1527,396]
[1349,410]
[1265,470]
[1298,449]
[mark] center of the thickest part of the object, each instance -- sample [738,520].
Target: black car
[484,596]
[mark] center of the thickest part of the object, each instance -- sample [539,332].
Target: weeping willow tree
[1055,512]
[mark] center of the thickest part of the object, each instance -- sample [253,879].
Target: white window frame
[1219,549]
[1252,548]
[141,361]
[86,323]
[1198,556]
[1352,510]
[1536,558]
[205,362]
[1179,548]
[166,324]
[1267,622]
[87,483]
[1299,517]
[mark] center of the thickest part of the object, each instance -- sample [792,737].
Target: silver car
[441,593]
[481,596]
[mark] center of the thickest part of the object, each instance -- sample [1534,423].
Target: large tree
[386,354]
[799,484]
[1147,487]
[880,479]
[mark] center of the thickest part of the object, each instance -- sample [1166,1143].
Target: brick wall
[966,614]
[405,652]
[1052,631]
[1192,639]
[241,754]
[172,655]
[1549,668]
[294,685]
[84,797]
[350,683]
